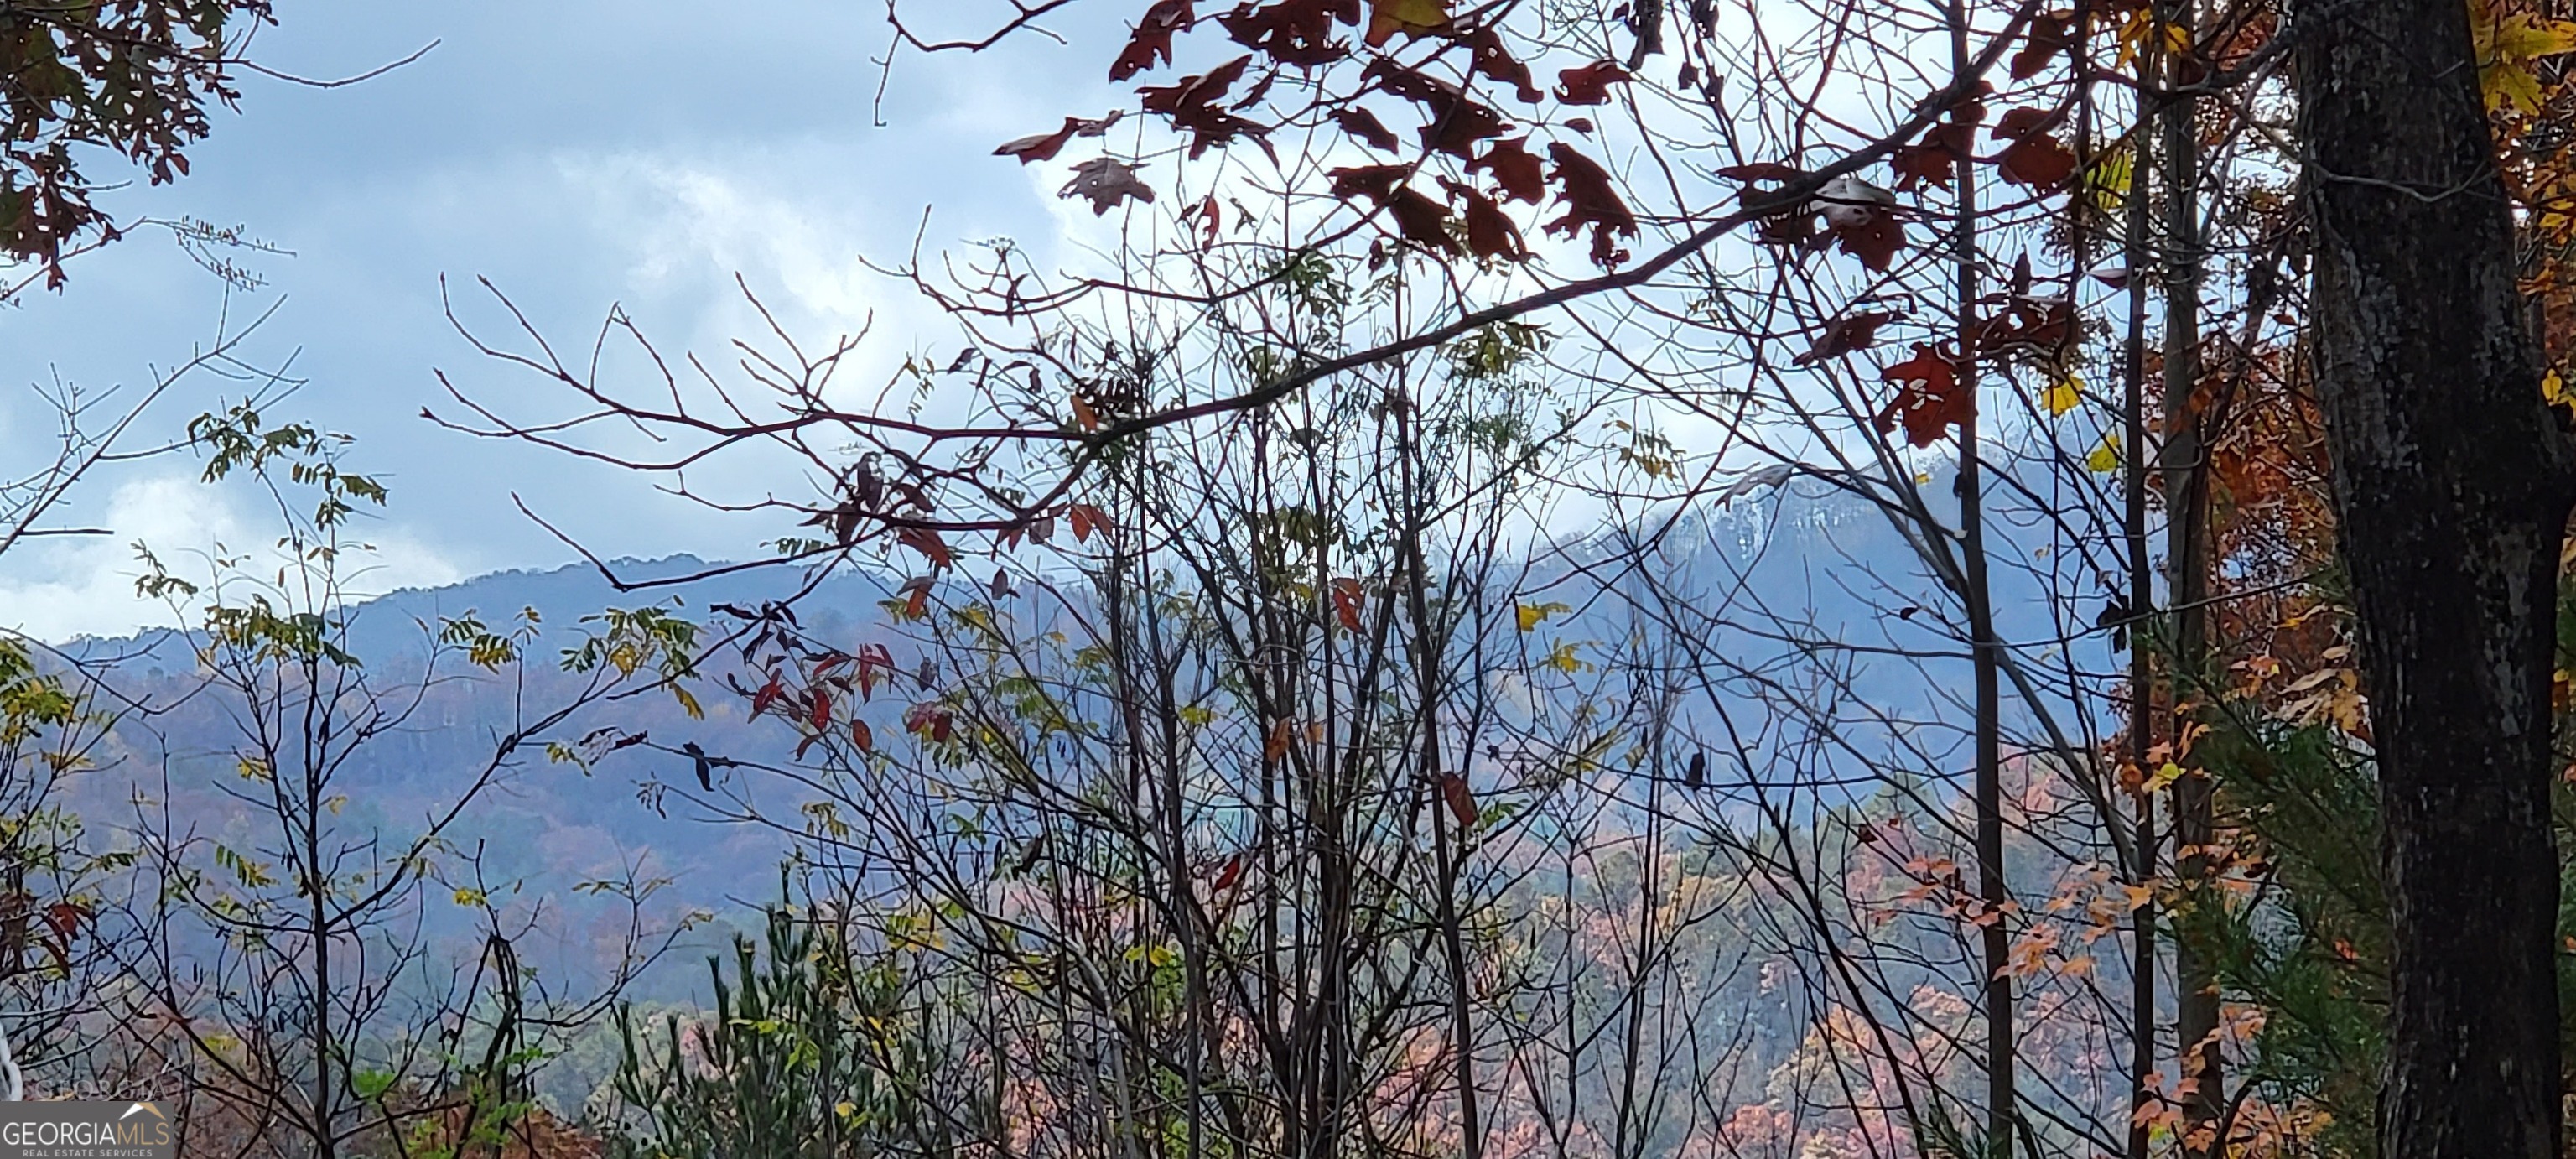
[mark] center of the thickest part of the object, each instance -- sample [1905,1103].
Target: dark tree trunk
[2452,486]
[2186,484]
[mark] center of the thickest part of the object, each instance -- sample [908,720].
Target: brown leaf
[1457,122]
[1491,235]
[1590,200]
[862,737]
[1762,171]
[1844,335]
[1519,172]
[1590,84]
[2050,34]
[1044,146]
[1375,182]
[1152,41]
[1490,59]
[1422,221]
[1274,747]
[1107,181]
[1935,159]
[2022,122]
[1462,802]
[930,720]
[2037,161]
[1297,33]
[1364,126]
[1873,240]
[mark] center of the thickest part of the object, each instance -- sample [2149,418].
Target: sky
[579,154]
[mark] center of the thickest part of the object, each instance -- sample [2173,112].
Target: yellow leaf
[2105,458]
[2509,84]
[2553,389]
[2506,46]
[2064,396]
[1411,17]
[468,896]
[1531,616]
[1565,659]
[2527,37]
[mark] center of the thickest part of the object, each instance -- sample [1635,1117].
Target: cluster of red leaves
[2035,158]
[1305,35]
[1857,216]
[1296,33]
[1929,398]
[1191,105]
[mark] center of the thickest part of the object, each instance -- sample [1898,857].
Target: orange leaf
[1348,598]
[927,542]
[1275,748]
[916,600]
[1462,803]
[1083,414]
[1086,519]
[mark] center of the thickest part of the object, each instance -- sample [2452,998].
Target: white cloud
[59,588]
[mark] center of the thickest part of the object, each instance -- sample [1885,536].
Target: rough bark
[2186,485]
[2452,486]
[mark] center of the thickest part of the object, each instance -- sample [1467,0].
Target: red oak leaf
[1364,126]
[1490,59]
[1590,84]
[1297,33]
[1519,172]
[1590,200]
[1152,41]
[1928,399]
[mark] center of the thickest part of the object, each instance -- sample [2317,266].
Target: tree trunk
[2452,487]
[2186,484]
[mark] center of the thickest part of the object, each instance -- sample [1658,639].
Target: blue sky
[577,152]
